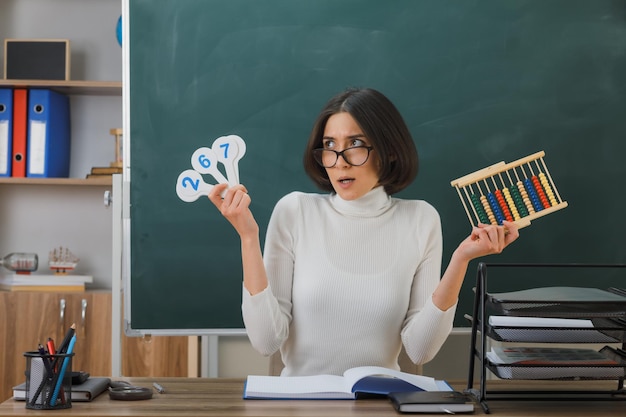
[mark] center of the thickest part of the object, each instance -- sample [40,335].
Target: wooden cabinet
[29,318]
[158,356]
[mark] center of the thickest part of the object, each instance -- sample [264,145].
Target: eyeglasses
[355,156]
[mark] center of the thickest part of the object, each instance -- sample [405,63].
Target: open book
[362,380]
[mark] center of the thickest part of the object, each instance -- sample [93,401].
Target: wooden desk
[223,397]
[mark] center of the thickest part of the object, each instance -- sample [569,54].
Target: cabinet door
[91,312]
[155,356]
[29,318]
[26,319]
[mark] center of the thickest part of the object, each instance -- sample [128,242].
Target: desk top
[223,397]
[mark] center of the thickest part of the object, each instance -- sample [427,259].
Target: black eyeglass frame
[317,154]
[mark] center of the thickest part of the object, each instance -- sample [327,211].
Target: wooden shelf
[58,181]
[94,88]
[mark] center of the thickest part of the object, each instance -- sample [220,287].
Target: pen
[159,388]
[45,359]
[52,351]
[61,374]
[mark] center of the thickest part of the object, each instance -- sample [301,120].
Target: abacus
[518,191]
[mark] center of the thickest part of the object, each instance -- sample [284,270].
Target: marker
[159,388]
[51,348]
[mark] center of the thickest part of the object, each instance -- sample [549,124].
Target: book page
[355,374]
[278,385]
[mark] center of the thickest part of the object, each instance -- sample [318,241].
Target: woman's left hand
[487,240]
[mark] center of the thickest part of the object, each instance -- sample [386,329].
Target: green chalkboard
[477,81]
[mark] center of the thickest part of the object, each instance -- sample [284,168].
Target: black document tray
[604,330]
[559,302]
[577,372]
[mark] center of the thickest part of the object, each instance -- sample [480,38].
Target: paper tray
[563,371]
[604,330]
[556,372]
[559,302]
[551,335]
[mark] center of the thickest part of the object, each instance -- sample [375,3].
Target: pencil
[63,349]
[67,338]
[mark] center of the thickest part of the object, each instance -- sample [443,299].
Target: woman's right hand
[235,206]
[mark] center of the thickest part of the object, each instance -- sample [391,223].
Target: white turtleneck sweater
[349,282]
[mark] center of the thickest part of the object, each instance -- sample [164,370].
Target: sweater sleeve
[267,315]
[426,327]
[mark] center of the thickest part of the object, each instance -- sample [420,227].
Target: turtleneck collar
[371,204]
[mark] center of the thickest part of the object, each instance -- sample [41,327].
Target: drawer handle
[62,312]
[83,315]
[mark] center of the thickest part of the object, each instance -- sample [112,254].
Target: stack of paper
[548,356]
[545,329]
[549,363]
[67,283]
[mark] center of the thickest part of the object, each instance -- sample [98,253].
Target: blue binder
[6,131]
[48,153]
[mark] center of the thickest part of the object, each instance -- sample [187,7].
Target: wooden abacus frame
[532,195]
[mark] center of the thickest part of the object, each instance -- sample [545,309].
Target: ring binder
[20,115]
[6,131]
[48,151]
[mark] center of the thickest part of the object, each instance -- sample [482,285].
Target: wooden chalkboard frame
[477,82]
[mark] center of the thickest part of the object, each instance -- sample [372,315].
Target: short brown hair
[382,124]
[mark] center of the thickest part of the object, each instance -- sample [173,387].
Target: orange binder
[20,123]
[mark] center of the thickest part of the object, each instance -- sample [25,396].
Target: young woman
[349,276]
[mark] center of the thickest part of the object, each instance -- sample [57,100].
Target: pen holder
[48,381]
